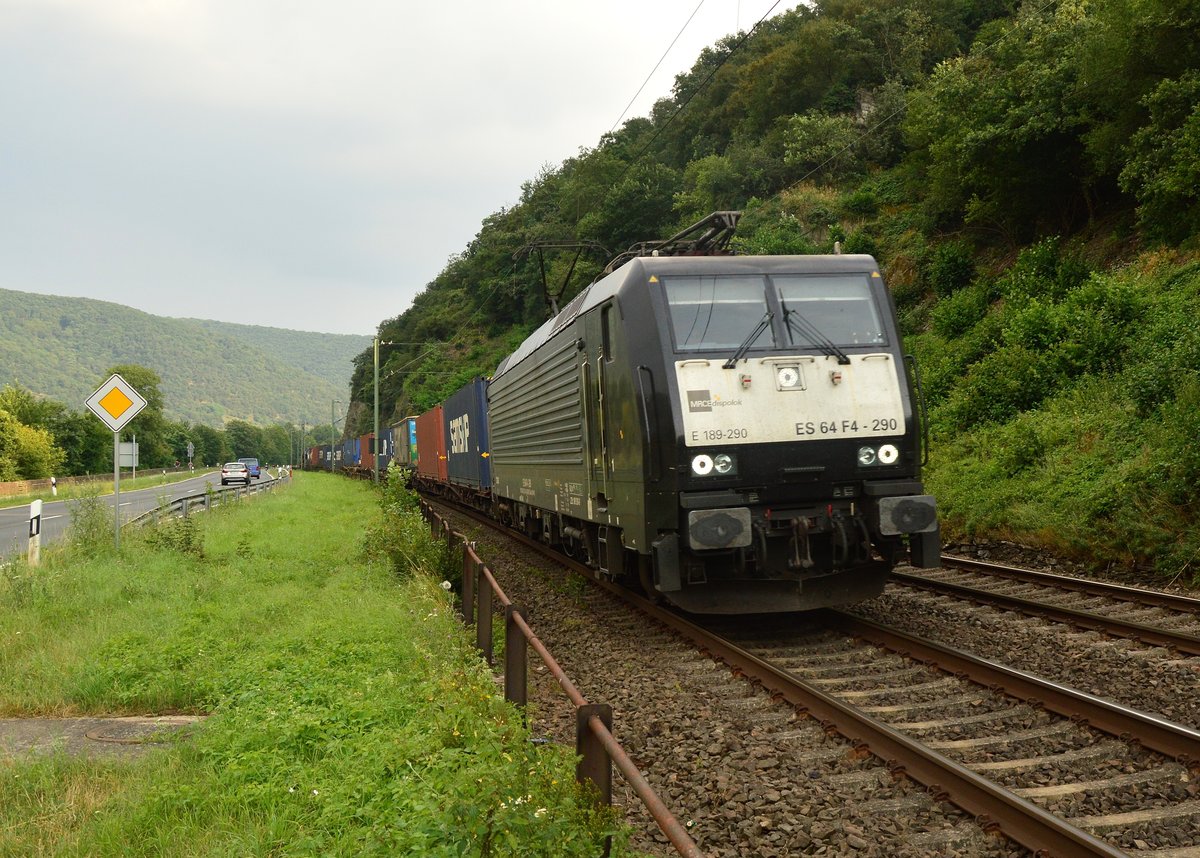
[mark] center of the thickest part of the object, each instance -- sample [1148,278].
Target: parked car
[235,472]
[252,466]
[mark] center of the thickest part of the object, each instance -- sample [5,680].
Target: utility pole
[332,430]
[375,458]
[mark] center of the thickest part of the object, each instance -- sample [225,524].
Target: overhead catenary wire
[656,65]
[700,88]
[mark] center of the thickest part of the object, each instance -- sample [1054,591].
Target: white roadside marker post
[35,532]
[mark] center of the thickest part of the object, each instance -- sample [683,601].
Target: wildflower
[446,585]
[540,812]
[316,792]
[291,789]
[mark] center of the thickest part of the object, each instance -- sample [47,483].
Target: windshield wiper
[749,341]
[802,326]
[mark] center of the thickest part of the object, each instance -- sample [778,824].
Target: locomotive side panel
[535,417]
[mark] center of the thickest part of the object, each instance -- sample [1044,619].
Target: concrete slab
[127,736]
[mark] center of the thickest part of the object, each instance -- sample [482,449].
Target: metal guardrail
[595,744]
[205,500]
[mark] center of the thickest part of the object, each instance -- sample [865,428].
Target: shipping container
[348,453]
[431,444]
[404,443]
[366,451]
[466,436]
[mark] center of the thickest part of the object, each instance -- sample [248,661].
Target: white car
[235,472]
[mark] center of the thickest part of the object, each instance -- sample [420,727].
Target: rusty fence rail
[595,744]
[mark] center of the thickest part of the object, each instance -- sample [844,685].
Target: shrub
[402,537]
[955,315]
[861,203]
[1002,384]
[951,267]
[860,242]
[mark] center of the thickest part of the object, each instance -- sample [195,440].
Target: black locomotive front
[739,432]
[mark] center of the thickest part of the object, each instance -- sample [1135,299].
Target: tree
[210,444]
[244,439]
[997,136]
[1163,171]
[83,440]
[149,426]
[8,446]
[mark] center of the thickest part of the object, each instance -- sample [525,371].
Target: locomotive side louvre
[567,451]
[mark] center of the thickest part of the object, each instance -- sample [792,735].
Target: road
[14,522]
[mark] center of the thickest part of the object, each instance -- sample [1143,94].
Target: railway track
[1152,617]
[1015,752]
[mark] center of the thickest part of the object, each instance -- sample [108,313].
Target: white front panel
[801,398]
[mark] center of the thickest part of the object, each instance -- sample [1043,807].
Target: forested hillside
[59,347]
[1028,175]
[327,356]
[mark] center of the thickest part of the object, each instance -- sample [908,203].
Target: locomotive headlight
[888,454]
[866,455]
[702,465]
[787,377]
[723,463]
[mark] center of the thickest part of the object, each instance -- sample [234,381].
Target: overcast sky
[301,164]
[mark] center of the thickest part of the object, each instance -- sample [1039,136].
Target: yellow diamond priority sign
[115,402]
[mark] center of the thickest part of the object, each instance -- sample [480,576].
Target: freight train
[733,434]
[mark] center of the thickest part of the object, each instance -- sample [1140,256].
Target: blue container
[468,451]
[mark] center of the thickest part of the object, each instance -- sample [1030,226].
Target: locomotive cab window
[838,307]
[716,312]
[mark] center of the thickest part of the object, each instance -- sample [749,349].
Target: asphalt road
[14,521]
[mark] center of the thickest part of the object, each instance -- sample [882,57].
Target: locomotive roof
[638,270]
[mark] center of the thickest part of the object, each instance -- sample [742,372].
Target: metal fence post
[470,580]
[515,658]
[594,765]
[483,621]
[183,507]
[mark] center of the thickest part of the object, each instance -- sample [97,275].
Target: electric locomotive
[739,433]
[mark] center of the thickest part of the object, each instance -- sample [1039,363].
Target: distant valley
[211,371]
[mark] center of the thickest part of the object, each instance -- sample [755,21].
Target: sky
[302,164]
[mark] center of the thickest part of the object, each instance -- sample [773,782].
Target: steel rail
[991,804]
[1124,592]
[1157,734]
[1152,635]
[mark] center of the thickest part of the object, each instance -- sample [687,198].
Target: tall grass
[349,714]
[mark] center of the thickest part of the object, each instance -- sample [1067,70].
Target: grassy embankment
[1066,408]
[349,713]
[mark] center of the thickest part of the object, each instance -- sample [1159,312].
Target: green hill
[327,356]
[211,371]
[1026,174]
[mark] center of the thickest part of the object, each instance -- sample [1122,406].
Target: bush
[861,203]
[91,521]
[955,315]
[860,242]
[951,268]
[402,537]
[1004,383]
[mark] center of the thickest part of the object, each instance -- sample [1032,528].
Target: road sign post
[116,403]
